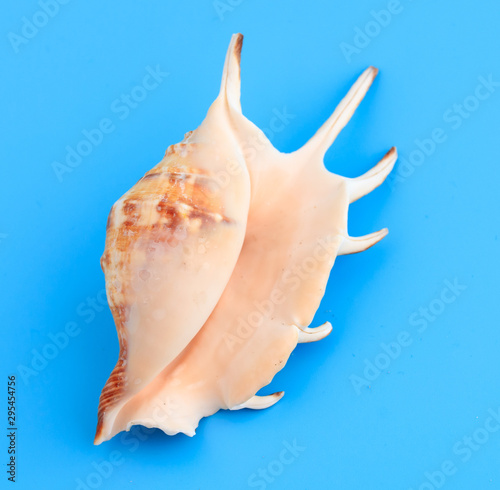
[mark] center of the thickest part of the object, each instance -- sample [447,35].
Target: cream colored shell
[216,263]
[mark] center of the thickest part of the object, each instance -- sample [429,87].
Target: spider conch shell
[297,225]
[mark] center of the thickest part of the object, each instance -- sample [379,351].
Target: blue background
[442,212]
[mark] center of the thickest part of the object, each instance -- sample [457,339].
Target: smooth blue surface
[416,415]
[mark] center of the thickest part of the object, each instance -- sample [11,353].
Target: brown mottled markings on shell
[180,147]
[129,207]
[187,195]
[178,203]
[179,173]
[170,212]
[114,388]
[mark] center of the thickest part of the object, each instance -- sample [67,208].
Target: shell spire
[231,78]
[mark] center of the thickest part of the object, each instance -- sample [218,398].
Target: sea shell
[262,290]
